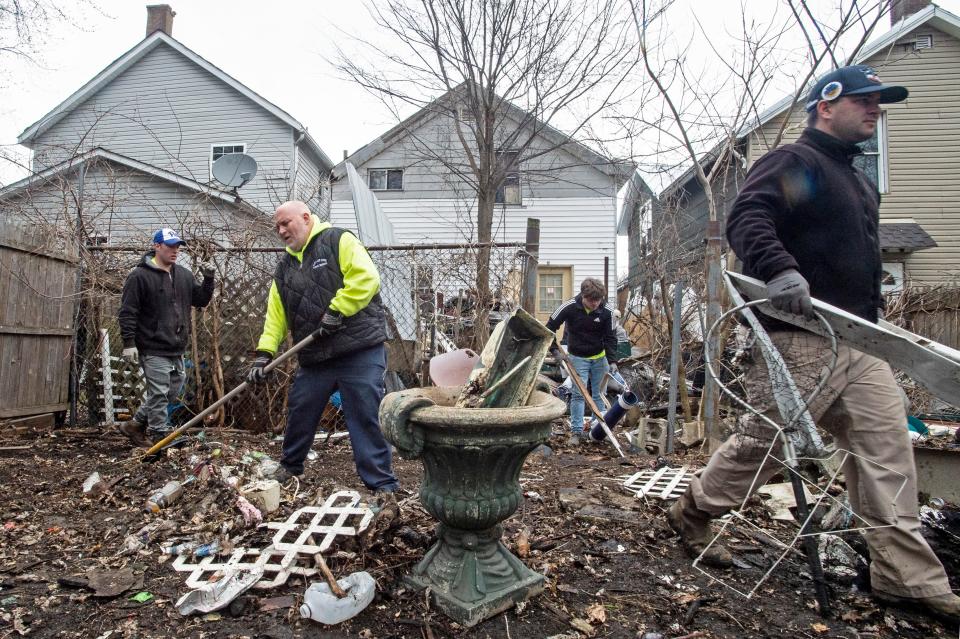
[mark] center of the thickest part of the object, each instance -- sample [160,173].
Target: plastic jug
[320,604]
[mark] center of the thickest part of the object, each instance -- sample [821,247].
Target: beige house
[914,159]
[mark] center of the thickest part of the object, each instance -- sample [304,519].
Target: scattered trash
[320,604]
[8,601]
[251,514]
[277,603]
[93,484]
[780,499]
[219,594]
[207,550]
[110,583]
[264,494]
[165,497]
[142,597]
[944,522]
[614,414]
[937,503]
[840,561]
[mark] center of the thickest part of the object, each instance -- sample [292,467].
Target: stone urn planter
[471,469]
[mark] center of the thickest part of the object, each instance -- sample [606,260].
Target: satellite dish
[234,169]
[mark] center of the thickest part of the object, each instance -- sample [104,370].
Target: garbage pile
[221,527]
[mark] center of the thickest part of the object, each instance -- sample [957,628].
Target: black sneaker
[282,476]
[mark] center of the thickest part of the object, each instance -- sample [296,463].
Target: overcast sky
[279,49]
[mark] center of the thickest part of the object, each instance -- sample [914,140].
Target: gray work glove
[613,368]
[207,269]
[789,292]
[131,355]
[330,323]
[257,375]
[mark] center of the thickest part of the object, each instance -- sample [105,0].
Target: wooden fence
[38,279]
[932,311]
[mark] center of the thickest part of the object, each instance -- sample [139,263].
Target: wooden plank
[35,330]
[39,251]
[20,411]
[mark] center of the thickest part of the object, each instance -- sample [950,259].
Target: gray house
[911,158]
[419,173]
[137,142]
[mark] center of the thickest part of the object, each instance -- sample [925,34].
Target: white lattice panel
[664,483]
[312,529]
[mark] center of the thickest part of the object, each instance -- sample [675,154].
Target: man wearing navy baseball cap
[806,222]
[155,327]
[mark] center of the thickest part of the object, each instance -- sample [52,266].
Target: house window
[385,179]
[465,114]
[217,151]
[873,161]
[509,190]
[551,292]
[892,279]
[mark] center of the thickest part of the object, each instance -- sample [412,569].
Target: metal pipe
[674,366]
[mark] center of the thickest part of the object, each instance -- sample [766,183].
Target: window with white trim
[509,190]
[385,179]
[217,151]
[873,161]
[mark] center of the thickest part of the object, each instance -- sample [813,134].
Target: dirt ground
[616,573]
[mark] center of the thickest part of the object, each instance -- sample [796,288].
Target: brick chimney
[900,9]
[160,18]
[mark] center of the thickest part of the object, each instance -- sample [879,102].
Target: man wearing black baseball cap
[806,223]
[155,326]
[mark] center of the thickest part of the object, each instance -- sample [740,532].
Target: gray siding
[425,153]
[167,111]
[923,142]
[310,184]
[923,149]
[127,207]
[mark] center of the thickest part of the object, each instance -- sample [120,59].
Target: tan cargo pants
[862,408]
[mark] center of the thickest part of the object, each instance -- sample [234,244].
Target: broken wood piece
[331,580]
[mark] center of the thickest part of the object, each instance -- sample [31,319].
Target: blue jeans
[359,378]
[591,373]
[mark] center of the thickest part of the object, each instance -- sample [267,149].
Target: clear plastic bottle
[165,497]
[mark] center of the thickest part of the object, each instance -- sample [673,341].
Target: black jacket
[805,206]
[306,288]
[587,334]
[155,307]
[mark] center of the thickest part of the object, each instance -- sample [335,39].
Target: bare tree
[509,72]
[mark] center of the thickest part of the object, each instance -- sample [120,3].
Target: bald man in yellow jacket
[327,286]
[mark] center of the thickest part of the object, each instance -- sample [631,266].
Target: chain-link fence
[429,292]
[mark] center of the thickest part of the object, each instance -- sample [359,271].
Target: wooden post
[711,392]
[532,248]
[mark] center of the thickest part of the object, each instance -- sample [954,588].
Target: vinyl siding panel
[310,184]
[426,153]
[576,232]
[167,111]
[125,206]
[923,141]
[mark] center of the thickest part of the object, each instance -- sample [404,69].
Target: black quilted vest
[306,289]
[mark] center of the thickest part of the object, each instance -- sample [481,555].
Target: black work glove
[789,292]
[206,268]
[330,323]
[257,374]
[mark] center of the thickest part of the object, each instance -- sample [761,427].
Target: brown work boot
[136,432]
[945,607]
[693,526]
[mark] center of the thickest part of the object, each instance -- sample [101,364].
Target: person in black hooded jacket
[155,328]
